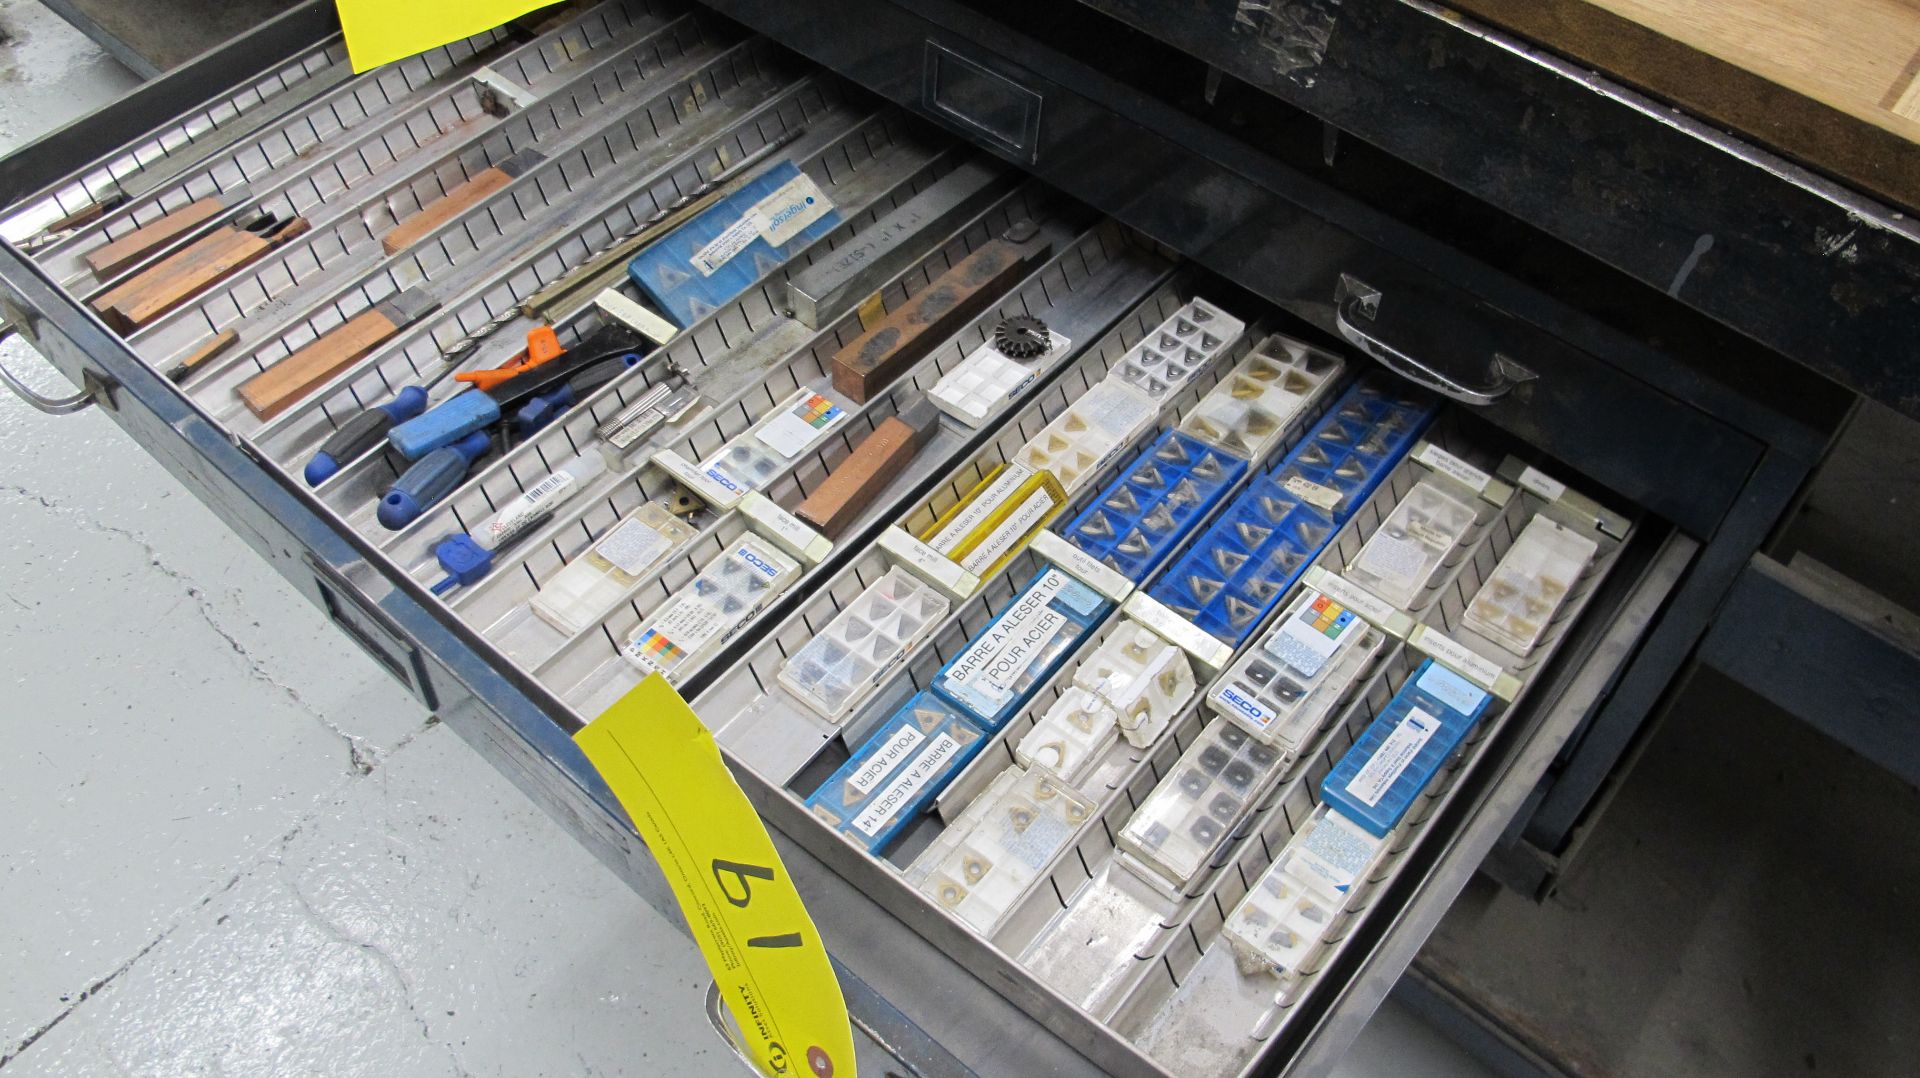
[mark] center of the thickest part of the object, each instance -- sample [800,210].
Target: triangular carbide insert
[1275,508]
[1240,613]
[1160,519]
[1149,477]
[667,277]
[1172,452]
[1251,534]
[1097,526]
[1183,494]
[1203,588]
[1285,560]
[1207,469]
[1123,501]
[1228,561]
[1135,544]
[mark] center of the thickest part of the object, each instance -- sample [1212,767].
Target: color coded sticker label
[1309,638]
[798,427]
[1356,598]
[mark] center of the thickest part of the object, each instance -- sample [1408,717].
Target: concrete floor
[1746,907]
[234,846]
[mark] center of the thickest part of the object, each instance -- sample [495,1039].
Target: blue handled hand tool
[363,432]
[431,478]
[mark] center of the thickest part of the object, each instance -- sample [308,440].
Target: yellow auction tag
[766,957]
[380,31]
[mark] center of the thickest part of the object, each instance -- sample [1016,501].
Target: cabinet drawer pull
[1357,312]
[97,389]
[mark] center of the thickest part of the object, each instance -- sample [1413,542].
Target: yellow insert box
[997,518]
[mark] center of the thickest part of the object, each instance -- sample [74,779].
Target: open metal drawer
[942,998]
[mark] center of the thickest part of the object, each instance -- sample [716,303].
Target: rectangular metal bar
[1834,654]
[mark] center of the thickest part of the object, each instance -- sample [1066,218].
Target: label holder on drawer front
[368,627]
[986,104]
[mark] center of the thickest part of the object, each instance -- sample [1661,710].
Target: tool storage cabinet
[593,121]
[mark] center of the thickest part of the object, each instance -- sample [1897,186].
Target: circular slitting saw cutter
[1021,337]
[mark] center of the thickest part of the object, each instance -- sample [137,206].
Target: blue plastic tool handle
[362,432]
[547,407]
[430,479]
[446,424]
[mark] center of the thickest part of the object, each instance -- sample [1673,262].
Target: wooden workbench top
[1834,84]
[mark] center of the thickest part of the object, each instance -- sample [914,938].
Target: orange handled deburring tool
[542,345]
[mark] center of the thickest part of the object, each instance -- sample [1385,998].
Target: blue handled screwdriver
[431,478]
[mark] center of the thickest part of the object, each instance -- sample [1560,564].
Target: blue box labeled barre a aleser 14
[898,771]
[734,243]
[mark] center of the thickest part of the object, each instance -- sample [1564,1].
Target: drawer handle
[717,1015]
[992,107]
[84,399]
[1357,307]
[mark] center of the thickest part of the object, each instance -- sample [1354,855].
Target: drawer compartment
[1103,956]
[544,147]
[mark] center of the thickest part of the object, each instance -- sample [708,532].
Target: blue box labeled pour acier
[733,244]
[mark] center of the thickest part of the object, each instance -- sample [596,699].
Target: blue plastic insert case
[1148,511]
[898,771]
[707,262]
[1237,570]
[999,669]
[1380,777]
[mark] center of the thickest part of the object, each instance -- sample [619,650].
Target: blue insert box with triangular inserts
[1237,570]
[1149,510]
[727,247]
